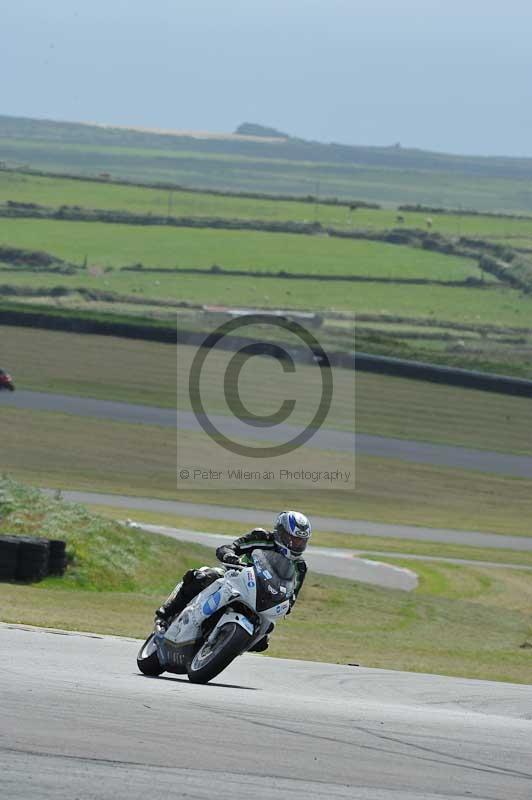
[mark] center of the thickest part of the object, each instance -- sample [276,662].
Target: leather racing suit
[196,580]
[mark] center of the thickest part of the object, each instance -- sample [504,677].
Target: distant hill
[270,161]
[288,148]
[252,129]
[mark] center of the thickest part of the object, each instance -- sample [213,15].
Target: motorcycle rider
[290,536]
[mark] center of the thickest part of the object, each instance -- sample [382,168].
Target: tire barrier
[28,558]
[33,559]
[9,546]
[58,560]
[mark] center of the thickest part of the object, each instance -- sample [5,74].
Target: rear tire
[209,661]
[147,659]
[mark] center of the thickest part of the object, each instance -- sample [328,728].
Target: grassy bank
[103,556]
[460,621]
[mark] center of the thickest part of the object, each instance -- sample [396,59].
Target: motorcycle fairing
[275,577]
[186,629]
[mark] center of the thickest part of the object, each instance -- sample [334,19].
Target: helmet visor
[296,544]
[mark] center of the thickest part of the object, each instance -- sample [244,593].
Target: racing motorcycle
[6,381]
[222,621]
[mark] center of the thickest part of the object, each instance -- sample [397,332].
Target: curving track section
[77,721]
[328,561]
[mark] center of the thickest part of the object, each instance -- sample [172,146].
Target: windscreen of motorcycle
[276,578]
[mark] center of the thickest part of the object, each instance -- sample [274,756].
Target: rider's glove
[231,558]
[161,623]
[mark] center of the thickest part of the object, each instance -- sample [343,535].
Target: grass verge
[69,452]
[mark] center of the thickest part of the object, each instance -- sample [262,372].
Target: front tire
[147,659]
[210,660]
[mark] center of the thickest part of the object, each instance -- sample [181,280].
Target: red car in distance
[6,381]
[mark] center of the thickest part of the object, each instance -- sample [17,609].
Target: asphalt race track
[326,439]
[328,524]
[78,721]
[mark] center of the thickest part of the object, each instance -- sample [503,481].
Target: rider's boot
[260,646]
[171,607]
[194,581]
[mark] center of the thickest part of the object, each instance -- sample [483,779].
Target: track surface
[403,449]
[329,524]
[78,721]
[350,564]
[327,561]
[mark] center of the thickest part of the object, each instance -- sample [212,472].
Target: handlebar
[239,566]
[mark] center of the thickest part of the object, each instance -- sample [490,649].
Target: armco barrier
[450,376]
[362,362]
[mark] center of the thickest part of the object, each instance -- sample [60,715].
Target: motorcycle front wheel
[211,659]
[147,659]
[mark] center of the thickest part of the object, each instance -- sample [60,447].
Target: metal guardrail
[450,376]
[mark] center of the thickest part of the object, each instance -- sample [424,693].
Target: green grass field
[104,248]
[468,621]
[441,304]
[54,192]
[104,245]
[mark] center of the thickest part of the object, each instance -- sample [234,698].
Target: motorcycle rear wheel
[147,659]
[210,660]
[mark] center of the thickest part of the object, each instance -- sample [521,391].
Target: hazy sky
[449,75]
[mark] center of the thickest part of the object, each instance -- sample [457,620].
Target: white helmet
[291,533]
